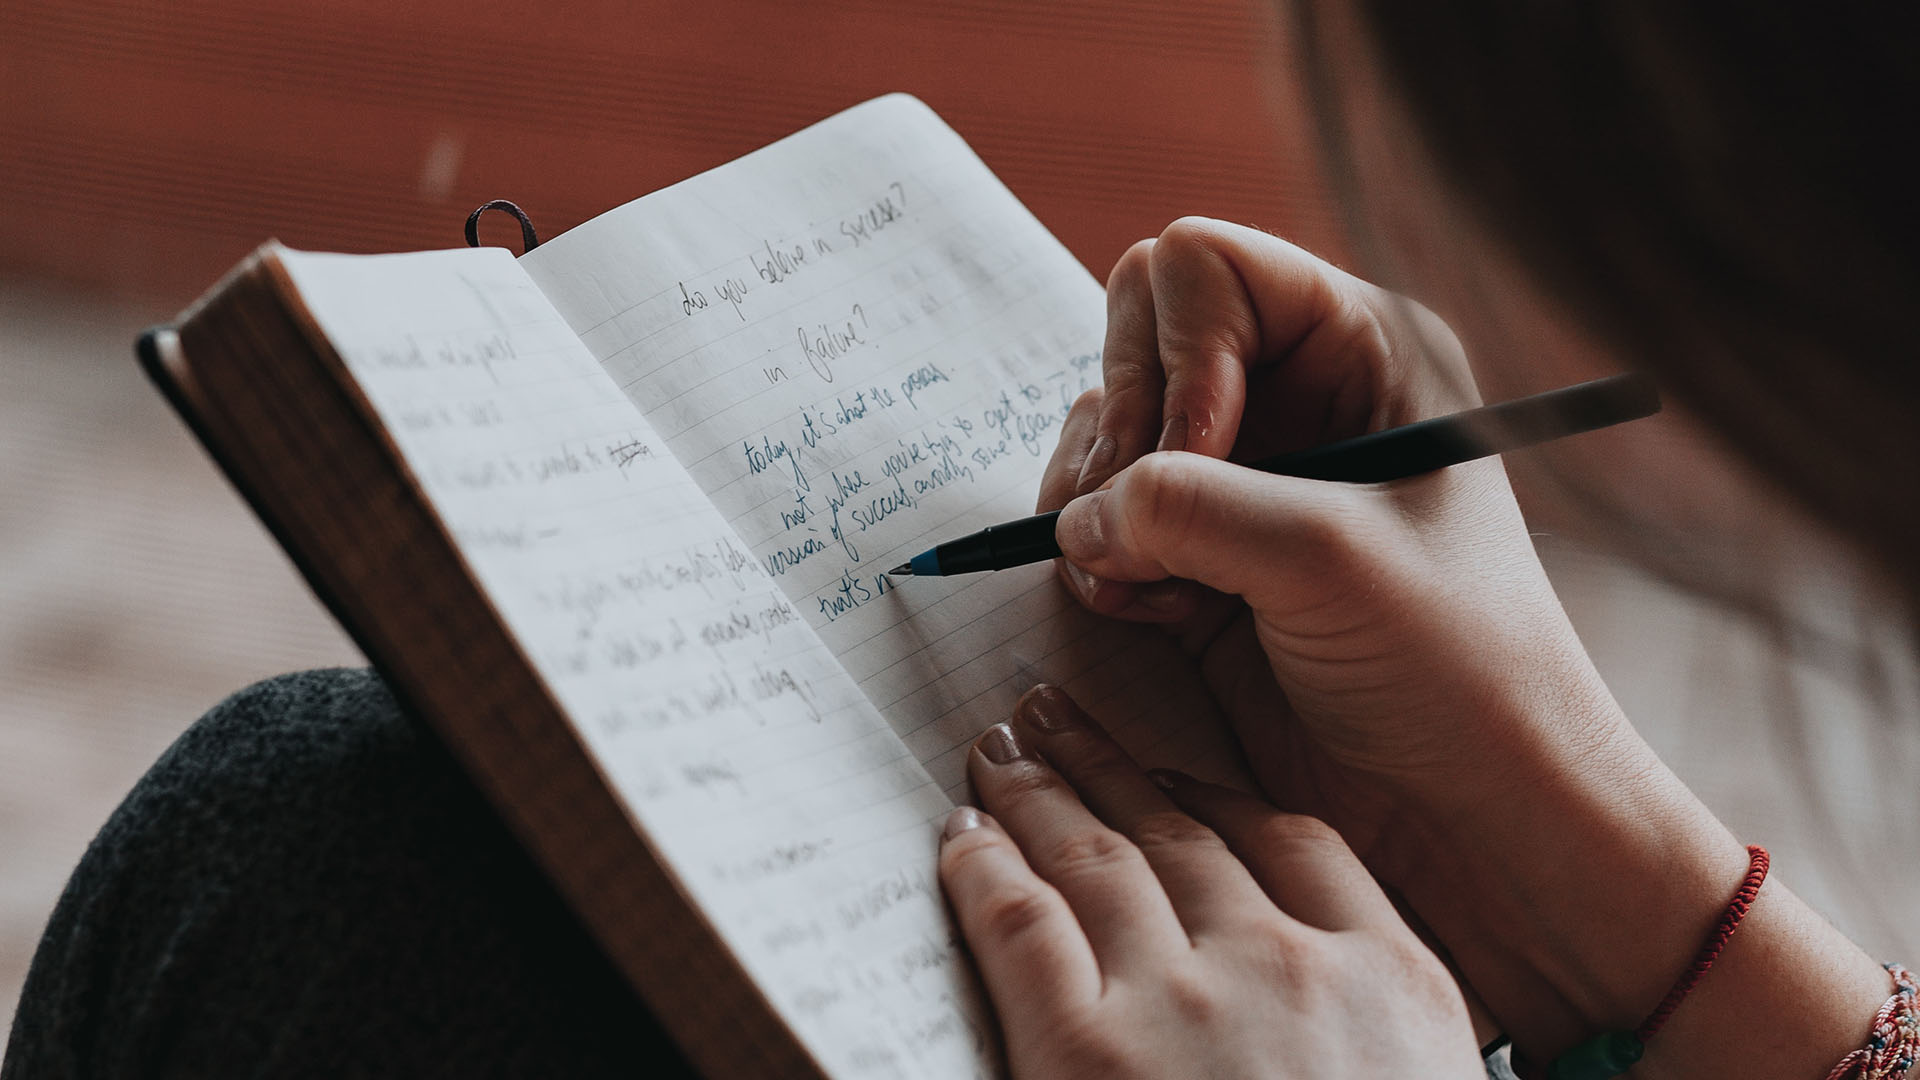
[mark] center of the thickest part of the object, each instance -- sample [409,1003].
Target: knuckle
[1130,387]
[1399,959]
[1431,332]
[1344,538]
[1425,977]
[1086,405]
[1197,1002]
[1089,1047]
[1012,912]
[968,854]
[1404,331]
[1172,829]
[1268,947]
[1091,853]
[1357,318]
[1160,494]
[1091,757]
[1412,353]
[1130,269]
[1026,783]
[1328,531]
[1407,958]
[1297,962]
[1313,963]
[1299,832]
[1187,236]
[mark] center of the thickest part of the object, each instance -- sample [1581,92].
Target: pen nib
[903,570]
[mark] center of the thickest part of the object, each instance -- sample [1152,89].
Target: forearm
[1573,904]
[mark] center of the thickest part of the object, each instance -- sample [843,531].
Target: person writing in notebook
[1699,195]
[1403,680]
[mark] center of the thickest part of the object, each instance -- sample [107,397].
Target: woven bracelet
[1614,1052]
[1894,1043]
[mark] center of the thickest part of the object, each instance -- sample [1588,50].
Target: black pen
[1376,458]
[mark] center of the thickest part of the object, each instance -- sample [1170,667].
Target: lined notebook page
[783,802]
[861,344]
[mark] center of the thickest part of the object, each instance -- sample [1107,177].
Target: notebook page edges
[784,804]
[861,344]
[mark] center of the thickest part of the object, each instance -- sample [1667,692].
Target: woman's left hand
[1129,926]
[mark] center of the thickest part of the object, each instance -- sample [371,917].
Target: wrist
[1574,903]
[1570,899]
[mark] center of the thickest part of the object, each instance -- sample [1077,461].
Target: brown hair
[1709,189]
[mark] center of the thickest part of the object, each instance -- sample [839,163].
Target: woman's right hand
[1391,656]
[1376,645]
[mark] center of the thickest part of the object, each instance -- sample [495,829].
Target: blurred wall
[146,147]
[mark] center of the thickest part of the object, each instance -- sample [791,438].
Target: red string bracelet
[1614,1052]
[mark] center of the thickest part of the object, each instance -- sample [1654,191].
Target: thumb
[1226,526]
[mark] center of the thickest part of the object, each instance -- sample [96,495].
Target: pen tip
[903,570]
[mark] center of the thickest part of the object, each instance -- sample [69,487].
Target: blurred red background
[146,147]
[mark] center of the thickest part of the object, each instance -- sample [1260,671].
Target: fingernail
[999,745]
[1166,779]
[962,819]
[1083,581]
[1049,709]
[1080,531]
[1166,597]
[1093,472]
[1174,435]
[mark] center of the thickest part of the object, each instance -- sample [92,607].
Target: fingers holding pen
[1191,313]
[1235,307]
[1059,482]
[1207,336]
[1227,527]
[1155,602]
[1129,415]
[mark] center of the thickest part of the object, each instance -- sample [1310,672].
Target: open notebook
[613,516]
